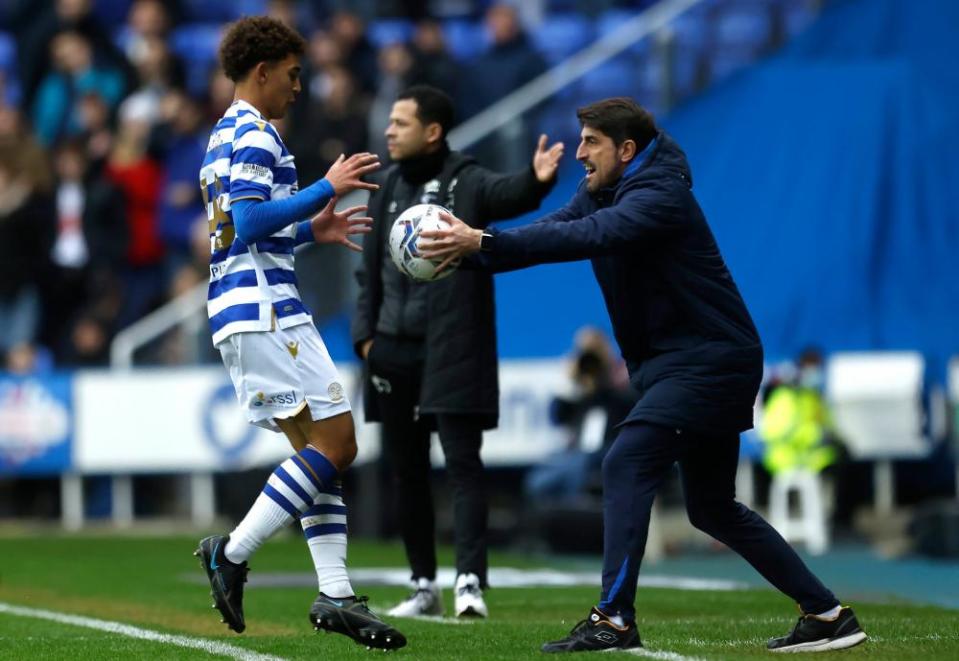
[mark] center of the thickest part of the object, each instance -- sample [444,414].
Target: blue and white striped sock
[324,526]
[290,491]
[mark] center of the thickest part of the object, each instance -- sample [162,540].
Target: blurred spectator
[89,340]
[89,246]
[220,96]
[25,235]
[335,123]
[432,63]
[39,28]
[600,400]
[297,15]
[357,53]
[137,175]
[158,71]
[96,127]
[796,427]
[179,142]
[31,157]
[56,112]
[146,20]
[396,64]
[510,63]
[798,433]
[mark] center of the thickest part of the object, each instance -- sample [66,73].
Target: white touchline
[653,654]
[209,646]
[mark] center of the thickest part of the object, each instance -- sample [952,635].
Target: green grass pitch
[144,581]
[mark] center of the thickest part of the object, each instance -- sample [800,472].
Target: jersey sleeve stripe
[240,188]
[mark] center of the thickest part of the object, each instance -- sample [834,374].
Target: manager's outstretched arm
[613,230]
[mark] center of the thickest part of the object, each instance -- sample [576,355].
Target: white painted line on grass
[500,577]
[656,654]
[209,646]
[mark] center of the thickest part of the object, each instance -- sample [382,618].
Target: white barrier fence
[186,420]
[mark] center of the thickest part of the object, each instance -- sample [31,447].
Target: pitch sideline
[209,646]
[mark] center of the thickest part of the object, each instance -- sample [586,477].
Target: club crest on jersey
[335,391]
[431,191]
[293,348]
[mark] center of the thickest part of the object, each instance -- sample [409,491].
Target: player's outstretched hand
[331,226]
[449,244]
[346,173]
[546,161]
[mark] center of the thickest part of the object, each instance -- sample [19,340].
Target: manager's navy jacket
[689,343]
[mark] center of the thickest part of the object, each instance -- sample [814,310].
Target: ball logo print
[403,238]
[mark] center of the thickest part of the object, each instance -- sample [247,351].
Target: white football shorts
[277,373]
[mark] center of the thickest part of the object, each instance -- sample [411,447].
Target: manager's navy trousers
[635,466]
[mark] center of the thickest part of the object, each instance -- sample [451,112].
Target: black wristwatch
[487,241]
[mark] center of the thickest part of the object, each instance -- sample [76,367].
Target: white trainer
[469,597]
[424,600]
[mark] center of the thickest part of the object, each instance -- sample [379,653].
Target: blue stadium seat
[8,69]
[561,35]
[618,77]
[612,19]
[210,11]
[197,44]
[796,15]
[8,52]
[122,36]
[692,29]
[388,31]
[744,26]
[465,39]
[112,12]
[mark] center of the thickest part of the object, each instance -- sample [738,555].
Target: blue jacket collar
[640,159]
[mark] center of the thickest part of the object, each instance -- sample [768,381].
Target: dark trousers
[635,466]
[406,442]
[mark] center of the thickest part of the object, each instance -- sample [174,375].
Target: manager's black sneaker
[597,633]
[226,580]
[812,634]
[352,617]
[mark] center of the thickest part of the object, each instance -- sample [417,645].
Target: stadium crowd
[105,108]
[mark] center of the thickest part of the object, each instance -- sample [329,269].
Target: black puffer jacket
[460,365]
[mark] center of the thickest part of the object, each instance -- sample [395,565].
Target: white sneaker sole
[825,644]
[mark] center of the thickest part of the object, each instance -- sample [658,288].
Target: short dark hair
[621,119]
[255,39]
[432,105]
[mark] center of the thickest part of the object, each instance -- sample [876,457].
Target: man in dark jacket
[431,347]
[692,352]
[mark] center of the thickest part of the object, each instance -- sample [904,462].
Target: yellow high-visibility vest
[794,426]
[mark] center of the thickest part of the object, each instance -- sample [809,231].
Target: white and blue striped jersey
[252,287]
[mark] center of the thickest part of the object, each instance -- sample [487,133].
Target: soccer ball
[403,235]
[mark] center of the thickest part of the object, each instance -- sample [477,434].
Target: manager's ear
[627,150]
[434,132]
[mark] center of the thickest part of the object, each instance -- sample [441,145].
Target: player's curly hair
[255,39]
